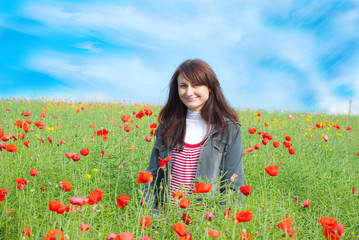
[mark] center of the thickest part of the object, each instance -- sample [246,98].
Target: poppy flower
[79,201]
[245,236]
[21,183]
[153,132]
[186,218]
[252,130]
[291,150]
[153,125]
[54,235]
[327,222]
[125,236]
[257,146]
[101,132]
[177,194]
[202,188]
[325,138]
[85,152]
[305,203]
[140,114]
[27,231]
[349,128]
[276,144]
[163,162]
[5,138]
[34,172]
[287,144]
[65,186]
[209,216]
[265,141]
[57,206]
[84,227]
[213,233]
[180,229]
[122,201]
[144,177]
[146,238]
[124,118]
[26,143]
[1,133]
[184,203]
[95,196]
[246,190]
[76,157]
[286,226]
[145,222]
[27,113]
[71,208]
[3,192]
[250,149]
[353,189]
[11,148]
[243,216]
[111,236]
[147,139]
[226,213]
[272,170]
[127,128]
[70,155]
[148,112]
[288,138]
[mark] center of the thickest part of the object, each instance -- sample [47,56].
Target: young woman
[200,131]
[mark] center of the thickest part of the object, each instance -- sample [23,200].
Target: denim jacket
[218,158]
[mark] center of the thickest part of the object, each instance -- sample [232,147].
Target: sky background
[274,55]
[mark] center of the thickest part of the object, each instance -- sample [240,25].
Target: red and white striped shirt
[184,168]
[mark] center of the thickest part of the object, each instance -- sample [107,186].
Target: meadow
[70,170]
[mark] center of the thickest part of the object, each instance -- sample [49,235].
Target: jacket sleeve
[151,190]
[232,163]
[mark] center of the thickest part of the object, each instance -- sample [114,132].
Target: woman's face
[194,96]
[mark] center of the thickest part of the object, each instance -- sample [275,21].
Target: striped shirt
[184,168]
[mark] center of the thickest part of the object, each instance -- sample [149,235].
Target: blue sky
[276,55]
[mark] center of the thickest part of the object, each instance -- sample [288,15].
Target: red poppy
[127,128]
[57,206]
[147,139]
[21,183]
[3,192]
[148,112]
[144,177]
[180,229]
[122,201]
[28,121]
[213,233]
[145,222]
[101,132]
[177,194]
[327,222]
[125,118]
[288,138]
[84,227]
[11,148]
[226,213]
[202,187]
[125,236]
[186,218]
[243,216]
[245,236]
[79,201]
[305,203]
[272,170]
[34,172]
[65,186]
[70,155]
[265,141]
[95,196]
[163,162]
[27,231]
[140,114]
[291,150]
[27,113]
[276,144]
[153,125]
[184,203]
[353,189]
[153,132]
[246,190]
[146,238]
[76,157]
[209,216]
[287,144]
[5,138]
[257,146]
[54,235]
[71,208]
[325,138]
[252,130]
[26,143]
[85,152]
[286,226]
[349,128]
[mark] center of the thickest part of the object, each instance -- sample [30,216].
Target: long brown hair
[215,111]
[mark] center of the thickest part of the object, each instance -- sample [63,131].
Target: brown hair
[215,111]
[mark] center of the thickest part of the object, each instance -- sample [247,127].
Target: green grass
[324,172]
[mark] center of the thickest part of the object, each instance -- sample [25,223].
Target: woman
[200,131]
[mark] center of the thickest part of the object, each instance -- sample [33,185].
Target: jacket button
[205,145]
[221,149]
[200,162]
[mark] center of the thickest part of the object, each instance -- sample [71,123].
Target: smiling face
[193,95]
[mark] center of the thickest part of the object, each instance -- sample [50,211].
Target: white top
[196,128]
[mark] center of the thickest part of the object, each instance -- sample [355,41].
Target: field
[100,148]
